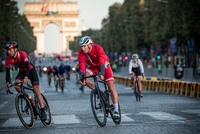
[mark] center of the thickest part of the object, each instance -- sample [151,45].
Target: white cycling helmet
[135,56]
[86,40]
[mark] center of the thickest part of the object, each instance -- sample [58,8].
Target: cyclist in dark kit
[27,71]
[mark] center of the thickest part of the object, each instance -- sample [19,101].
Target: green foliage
[15,27]
[132,26]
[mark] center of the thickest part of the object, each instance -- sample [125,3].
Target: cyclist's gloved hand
[26,80]
[82,80]
[83,83]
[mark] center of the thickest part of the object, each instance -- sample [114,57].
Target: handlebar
[16,84]
[96,73]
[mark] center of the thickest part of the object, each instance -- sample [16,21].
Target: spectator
[114,67]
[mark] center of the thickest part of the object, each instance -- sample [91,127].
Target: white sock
[116,107]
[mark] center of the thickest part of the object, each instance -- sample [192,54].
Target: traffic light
[158,57]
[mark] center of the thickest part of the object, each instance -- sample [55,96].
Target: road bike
[101,102]
[29,110]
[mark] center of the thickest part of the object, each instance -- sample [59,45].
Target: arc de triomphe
[63,14]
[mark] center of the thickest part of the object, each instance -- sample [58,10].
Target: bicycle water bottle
[31,99]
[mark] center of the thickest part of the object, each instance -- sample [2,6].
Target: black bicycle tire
[28,126]
[50,116]
[114,120]
[138,90]
[56,85]
[62,86]
[102,124]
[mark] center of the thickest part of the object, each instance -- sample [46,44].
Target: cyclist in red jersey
[27,71]
[96,60]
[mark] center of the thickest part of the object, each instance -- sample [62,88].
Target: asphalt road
[157,113]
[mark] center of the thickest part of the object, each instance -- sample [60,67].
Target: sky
[91,13]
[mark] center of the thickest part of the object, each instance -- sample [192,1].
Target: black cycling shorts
[32,76]
[136,71]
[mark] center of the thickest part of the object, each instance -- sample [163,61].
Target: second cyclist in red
[96,60]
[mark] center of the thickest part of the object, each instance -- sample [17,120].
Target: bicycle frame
[22,88]
[25,95]
[100,93]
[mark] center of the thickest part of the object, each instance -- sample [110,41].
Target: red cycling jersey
[18,61]
[95,58]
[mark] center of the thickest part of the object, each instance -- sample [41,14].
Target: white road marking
[197,111]
[2,105]
[65,119]
[127,88]
[163,116]
[124,118]
[12,122]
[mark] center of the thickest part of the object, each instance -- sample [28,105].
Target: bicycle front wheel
[98,108]
[24,111]
[137,91]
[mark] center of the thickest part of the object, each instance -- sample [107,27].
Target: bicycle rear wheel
[98,108]
[24,111]
[47,122]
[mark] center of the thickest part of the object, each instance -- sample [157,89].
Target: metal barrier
[165,85]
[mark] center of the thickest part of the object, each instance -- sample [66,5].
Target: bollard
[151,83]
[193,89]
[182,84]
[198,90]
[161,86]
[173,87]
[177,89]
[187,91]
[157,86]
[169,85]
[164,86]
[145,84]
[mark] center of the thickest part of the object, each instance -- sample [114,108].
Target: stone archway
[63,14]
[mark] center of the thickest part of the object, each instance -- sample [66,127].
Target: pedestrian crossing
[126,118]
[61,120]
